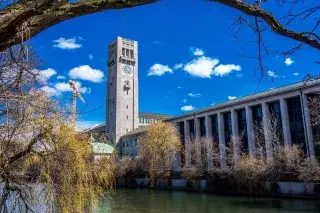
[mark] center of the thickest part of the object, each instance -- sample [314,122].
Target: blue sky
[193,33]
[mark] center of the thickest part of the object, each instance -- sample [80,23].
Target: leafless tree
[258,16]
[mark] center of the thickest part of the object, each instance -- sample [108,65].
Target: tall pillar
[222,141]
[209,143]
[285,122]
[208,126]
[187,142]
[249,121]
[267,129]
[198,142]
[308,127]
[235,136]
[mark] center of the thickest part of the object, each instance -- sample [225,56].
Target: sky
[189,57]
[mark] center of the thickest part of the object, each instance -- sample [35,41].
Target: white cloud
[179,87]
[157,42]
[45,75]
[91,56]
[187,108]
[225,69]
[194,95]
[69,44]
[201,67]
[50,91]
[61,77]
[230,97]
[159,69]
[184,100]
[272,74]
[296,74]
[196,51]
[85,72]
[65,87]
[288,61]
[178,66]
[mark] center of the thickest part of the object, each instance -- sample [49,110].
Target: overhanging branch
[21,21]
[269,19]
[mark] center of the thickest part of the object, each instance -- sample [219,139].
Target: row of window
[127,53]
[131,143]
[131,155]
[295,123]
[148,120]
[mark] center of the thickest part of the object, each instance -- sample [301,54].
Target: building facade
[122,88]
[288,105]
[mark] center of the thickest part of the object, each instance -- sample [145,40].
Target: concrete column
[267,129]
[187,142]
[235,136]
[308,130]
[222,141]
[209,143]
[249,121]
[198,143]
[285,122]
[208,126]
[197,123]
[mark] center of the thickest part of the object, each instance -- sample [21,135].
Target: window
[214,127]
[275,113]
[257,115]
[202,126]
[127,117]
[227,128]
[126,130]
[242,126]
[127,107]
[123,52]
[131,53]
[127,53]
[296,123]
[182,141]
[314,112]
[191,129]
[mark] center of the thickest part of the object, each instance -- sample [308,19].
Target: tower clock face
[127,70]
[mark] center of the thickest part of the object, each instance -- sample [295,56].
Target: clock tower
[122,88]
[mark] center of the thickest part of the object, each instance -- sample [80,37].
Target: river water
[159,201]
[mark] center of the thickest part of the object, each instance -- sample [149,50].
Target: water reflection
[156,201]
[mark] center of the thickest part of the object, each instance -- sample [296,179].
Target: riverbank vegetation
[236,170]
[158,147]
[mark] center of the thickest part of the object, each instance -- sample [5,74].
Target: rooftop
[102,148]
[153,115]
[135,131]
[256,96]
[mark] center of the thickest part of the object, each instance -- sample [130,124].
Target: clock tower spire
[122,88]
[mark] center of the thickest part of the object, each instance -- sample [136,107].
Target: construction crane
[75,94]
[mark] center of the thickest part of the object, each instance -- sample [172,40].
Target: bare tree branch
[269,19]
[22,20]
